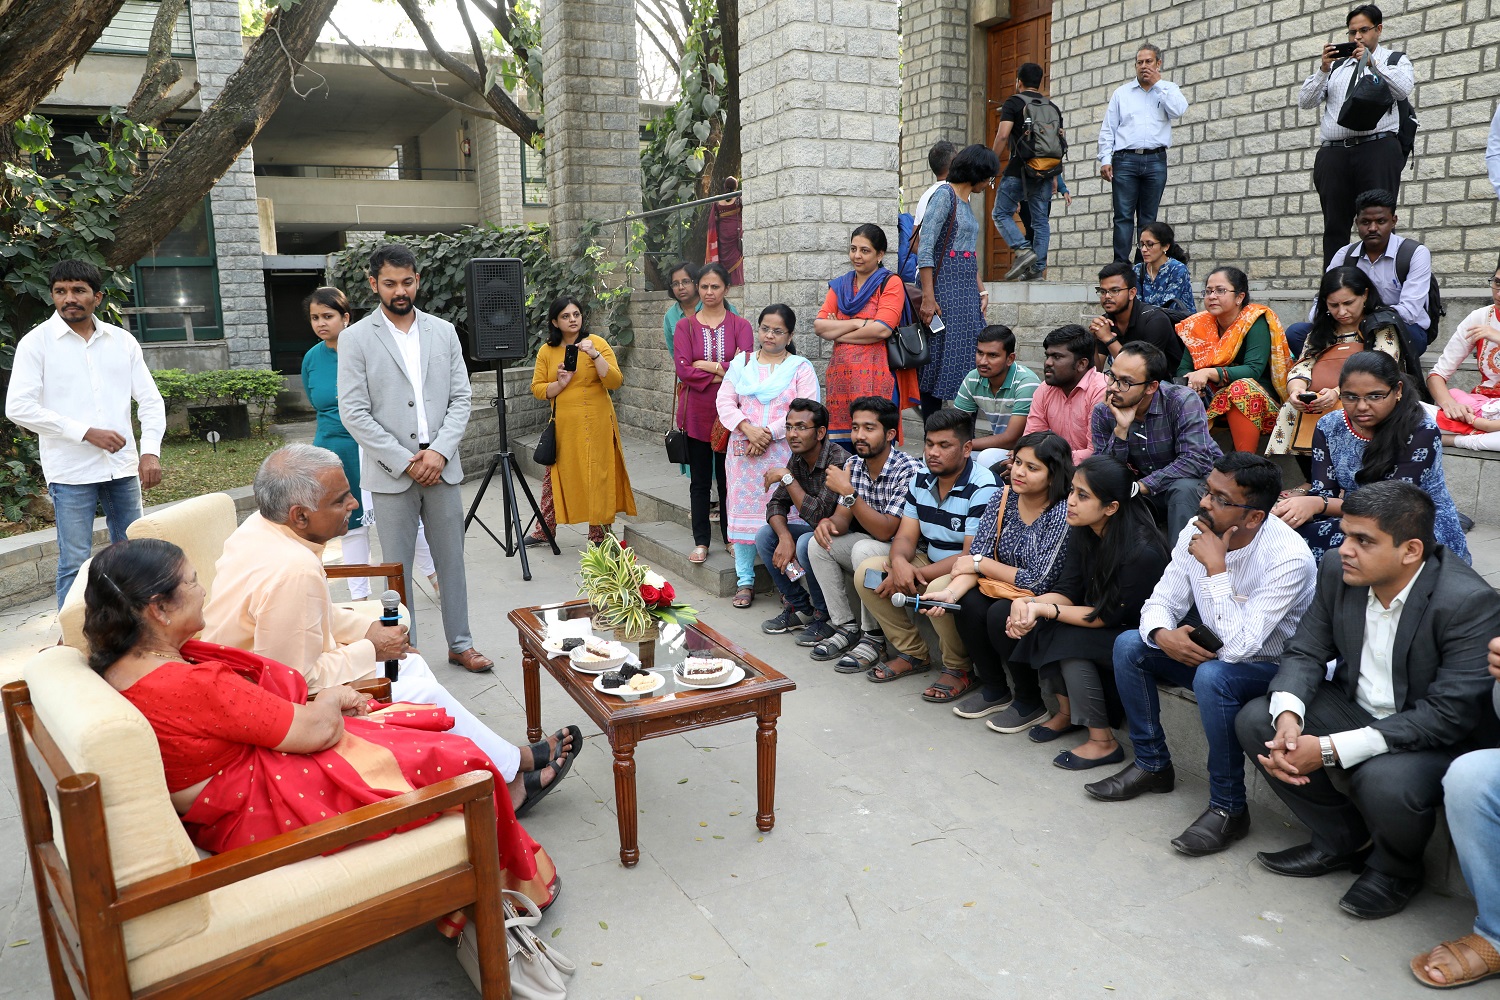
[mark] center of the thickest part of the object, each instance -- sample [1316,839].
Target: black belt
[423,446]
[1144,152]
[1356,140]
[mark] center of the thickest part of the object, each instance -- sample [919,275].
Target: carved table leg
[625,807]
[531,680]
[765,761]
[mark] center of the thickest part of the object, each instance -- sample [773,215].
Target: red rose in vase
[650,595]
[668,595]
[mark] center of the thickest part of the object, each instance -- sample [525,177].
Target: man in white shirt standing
[1408,625]
[71,384]
[1352,161]
[1133,143]
[1217,622]
[939,158]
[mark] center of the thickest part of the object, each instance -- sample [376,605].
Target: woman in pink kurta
[753,399]
[702,348]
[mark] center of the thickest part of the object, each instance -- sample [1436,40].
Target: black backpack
[1038,140]
[1404,254]
[1406,117]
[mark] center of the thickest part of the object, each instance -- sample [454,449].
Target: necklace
[172,654]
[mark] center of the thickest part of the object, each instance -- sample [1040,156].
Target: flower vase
[650,632]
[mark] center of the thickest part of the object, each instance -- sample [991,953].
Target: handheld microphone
[918,603]
[390,605]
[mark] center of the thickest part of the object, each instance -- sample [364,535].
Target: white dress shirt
[921,208]
[1376,690]
[1409,299]
[410,343]
[1331,88]
[1140,119]
[61,385]
[1254,605]
[1492,152]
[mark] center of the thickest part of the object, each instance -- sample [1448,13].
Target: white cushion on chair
[199,527]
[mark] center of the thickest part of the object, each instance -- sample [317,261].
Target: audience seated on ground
[1406,624]
[1471,419]
[1064,404]
[271,598]
[943,507]
[1218,622]
[783,543]
[1128,320]
[1236,358]
[1162,273]
[872,490]
[1000,388]
[1382,432]
[1158,430]
[1018,550]
[1115,557]
[1399,267]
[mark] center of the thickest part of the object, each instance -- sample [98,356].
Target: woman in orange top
[860,312]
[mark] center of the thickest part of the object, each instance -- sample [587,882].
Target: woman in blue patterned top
[1162,275]
[1021,542]
[1382,432]
[1116,554]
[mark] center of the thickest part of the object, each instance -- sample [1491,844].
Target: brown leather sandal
[943,690]
[1462,962]
[744,597]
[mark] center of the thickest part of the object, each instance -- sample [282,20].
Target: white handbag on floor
[538,971]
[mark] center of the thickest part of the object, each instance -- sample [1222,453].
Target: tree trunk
[725,163]
[185,174]
[41,39]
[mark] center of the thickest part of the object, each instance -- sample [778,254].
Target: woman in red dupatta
[247,756]
[1236,358]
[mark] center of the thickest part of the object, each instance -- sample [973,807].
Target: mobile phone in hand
[1307,397]
[937,325]
[1206,637]
[570,358]
[1344,50]
[873,578]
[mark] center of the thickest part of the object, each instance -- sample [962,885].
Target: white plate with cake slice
[597,656]
[627,691]
[706,672]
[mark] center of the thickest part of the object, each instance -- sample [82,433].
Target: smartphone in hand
[937,325]
[570,358]
[873,578]
[1343,50]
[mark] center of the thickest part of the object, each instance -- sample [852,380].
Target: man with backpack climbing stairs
[1031,131]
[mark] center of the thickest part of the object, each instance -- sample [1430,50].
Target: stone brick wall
[934,86]
[1239,185]
[497,171]
[218,49]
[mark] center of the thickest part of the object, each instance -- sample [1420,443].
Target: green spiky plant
[611,578]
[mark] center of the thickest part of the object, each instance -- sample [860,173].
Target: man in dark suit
[1408,624]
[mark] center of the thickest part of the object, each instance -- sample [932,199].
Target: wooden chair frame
[82,911]
[394,573]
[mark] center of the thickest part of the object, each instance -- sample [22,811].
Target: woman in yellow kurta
[589,482]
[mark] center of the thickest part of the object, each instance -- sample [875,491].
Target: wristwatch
[786,479]
[977,559]
[847,500]
[1326,744]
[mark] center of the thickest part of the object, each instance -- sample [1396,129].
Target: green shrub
[255,387]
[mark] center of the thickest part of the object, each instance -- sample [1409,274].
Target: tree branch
[658,10]
[152,103]
[41,39]
[425,91]
[673,61]
[463,12]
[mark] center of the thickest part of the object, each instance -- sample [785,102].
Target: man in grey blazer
[404,397]
[1406,624]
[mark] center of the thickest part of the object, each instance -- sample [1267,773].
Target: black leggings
[981,625]
[705,465]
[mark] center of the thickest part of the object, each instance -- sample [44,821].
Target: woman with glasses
[1471,420]
[1162,275]
[752,402]
[1382,432]
[860,311]
[1348,318]
[682,282]
[1236,358]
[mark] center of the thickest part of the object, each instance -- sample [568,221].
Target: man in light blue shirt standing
[1133,143]
[1492,153]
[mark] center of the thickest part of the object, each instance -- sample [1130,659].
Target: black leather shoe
[1212,832]
[1134,780]
[1376,894]
[1306,861]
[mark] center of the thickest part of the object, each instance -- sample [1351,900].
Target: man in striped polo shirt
[943,508]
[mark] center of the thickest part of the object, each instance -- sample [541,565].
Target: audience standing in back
[1073,386]
[1027,119]
[1133,142]
[939,159]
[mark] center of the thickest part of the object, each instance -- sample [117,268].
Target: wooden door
[1025,37]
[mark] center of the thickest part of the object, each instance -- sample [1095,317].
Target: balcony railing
[353,173]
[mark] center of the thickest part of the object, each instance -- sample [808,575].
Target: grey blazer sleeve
[1461,620]
[454,385]
[379,445]
[1304,661]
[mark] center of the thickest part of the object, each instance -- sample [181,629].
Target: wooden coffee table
[677,708]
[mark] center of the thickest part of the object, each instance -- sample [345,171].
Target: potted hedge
[221,400]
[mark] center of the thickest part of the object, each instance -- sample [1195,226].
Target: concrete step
[665,545]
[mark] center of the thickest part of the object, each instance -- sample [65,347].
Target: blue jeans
[1038,195]
[1471,792]
[1296,336]
[1221,688]
[74,506]
[807,600]
[1136,192]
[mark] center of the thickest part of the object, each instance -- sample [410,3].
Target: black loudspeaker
[496,292]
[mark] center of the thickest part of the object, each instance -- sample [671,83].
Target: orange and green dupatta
[1212,349]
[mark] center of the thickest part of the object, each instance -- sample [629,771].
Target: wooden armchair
[200,527]
[129,911]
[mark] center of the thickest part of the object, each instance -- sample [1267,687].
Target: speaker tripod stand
[504,462]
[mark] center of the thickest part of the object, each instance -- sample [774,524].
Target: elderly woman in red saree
[1236,358]
[247,756]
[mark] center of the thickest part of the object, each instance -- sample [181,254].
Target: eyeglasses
[773,331]
[1147,245]
[1110,378]
[1357,32]
[1495,282]
[1217,291]
[1220,501]
[1101,291]
[682,283]
[800,426]
[1353,399]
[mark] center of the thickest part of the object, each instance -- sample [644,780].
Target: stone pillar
[819,91]
[592,116]
[219,49]
[934,87]
[497,172]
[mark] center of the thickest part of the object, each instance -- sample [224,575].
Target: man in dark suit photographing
[1407,625]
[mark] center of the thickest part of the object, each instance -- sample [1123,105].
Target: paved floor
[915,855]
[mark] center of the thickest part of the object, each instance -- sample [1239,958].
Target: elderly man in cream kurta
[270,596]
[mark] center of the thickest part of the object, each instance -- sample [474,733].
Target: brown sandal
[942,691]
[698,555]
[744,597]
[1462,962]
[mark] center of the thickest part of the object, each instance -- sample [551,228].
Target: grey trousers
[441,509]
[1078,680]
[833,569]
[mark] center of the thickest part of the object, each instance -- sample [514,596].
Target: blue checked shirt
[1172,442]
[887,492]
